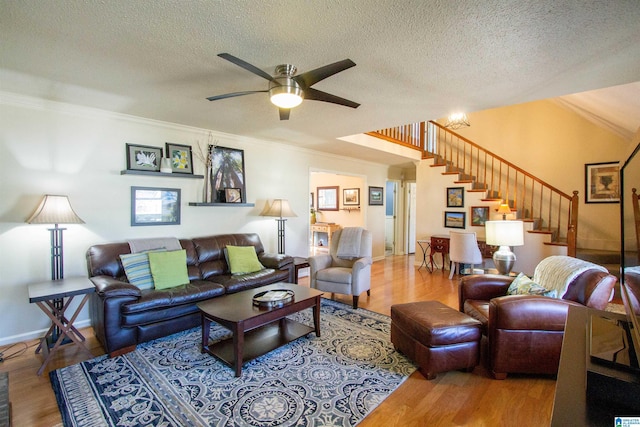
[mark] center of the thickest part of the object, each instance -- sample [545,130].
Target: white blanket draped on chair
[349,244]
[556,272]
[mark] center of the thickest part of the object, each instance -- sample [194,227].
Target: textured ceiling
[416,60]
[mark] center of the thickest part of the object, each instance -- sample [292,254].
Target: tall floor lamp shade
[504,234]
[280,209]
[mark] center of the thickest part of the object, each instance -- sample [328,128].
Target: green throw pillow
[522,285]
[137,270]
[169,269]
[243,259]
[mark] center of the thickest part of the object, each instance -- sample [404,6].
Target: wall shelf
[249,205]
[167,175]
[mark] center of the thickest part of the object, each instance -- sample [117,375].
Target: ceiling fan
[286,90]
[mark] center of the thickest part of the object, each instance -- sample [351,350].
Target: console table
[440,245]
[320,227]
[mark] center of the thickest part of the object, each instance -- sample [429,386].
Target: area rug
[332,380]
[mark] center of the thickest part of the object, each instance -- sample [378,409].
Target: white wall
[53,148]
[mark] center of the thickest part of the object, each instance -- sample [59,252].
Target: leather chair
[343,275]
[632,283]
[463,249]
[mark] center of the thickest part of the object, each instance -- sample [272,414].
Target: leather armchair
[524,332]
[330,273]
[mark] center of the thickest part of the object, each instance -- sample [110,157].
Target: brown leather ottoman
[437,337]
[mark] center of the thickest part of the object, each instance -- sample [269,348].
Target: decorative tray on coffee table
[273,298]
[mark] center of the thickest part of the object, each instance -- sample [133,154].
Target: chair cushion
[169,269]
[335,274]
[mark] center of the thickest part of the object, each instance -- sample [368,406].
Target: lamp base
[504,259]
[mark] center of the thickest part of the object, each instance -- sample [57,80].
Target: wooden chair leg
[355,301]
[368,292]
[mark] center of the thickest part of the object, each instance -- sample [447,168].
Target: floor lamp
[55,210]
[279,208]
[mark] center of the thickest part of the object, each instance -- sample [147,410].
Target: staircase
[548,210]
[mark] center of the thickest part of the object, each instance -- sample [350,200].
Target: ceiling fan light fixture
[286,96]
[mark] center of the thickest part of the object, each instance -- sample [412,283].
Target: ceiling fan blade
[231,95]
[244,64]
[314,76]
[284,113]
[317,95]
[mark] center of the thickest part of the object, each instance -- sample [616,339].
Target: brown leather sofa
[122,315]
[524,332]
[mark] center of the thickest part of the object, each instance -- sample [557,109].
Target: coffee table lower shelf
[259,341]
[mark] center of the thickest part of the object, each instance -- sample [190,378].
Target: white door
[411,217]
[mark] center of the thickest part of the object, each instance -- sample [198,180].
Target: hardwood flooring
[451,399]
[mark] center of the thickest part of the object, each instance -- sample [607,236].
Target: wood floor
[452,399]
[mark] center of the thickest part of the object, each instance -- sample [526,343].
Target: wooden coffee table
[256,330]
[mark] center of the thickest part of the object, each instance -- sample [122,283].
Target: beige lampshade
[504,209]
[504,233]
[278,208]
[54,210]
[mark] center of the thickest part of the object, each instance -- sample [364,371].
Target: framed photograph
[311,204]
[602,182]
[376,196]
[479,215]
[143,158]
[181,158]
[327,198]
[351,197]
[227,171]
[155,206]
[455,197]
[454,219]
[232,195]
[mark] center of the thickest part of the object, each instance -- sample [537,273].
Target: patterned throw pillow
[522,285]
[137,270]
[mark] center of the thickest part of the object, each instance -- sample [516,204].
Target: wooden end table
[256,331]
[50,297]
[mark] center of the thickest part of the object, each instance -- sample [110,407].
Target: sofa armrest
[317,263]
[108,287]
[482,287]
[275,261]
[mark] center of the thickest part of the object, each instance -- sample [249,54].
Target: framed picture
[232,195]
[327,198]
[143,158]
[454,219]
[455,197]
[181,158]
[227,171]
[375,196]
[479,215]
[155,206]
[311,205]
[602,182]
[351,197]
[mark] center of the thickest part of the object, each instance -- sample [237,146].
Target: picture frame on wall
[227,171]
[376,196]
[479,215]
[155,206]
[351,197]
[232,195]
[454,219]
[181,158]
[602,182]
[455,197]
[143,157]
[328,198]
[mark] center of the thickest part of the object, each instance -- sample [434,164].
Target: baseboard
[34,335]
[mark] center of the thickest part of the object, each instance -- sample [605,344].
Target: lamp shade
[279,208]
[504,233]
[54,210]
[504,210]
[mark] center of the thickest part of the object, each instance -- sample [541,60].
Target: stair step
[597,256]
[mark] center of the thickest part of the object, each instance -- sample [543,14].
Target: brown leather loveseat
[122,315]
[524,332]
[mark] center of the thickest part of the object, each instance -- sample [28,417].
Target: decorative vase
[165,165]
[206,188]
[313,217]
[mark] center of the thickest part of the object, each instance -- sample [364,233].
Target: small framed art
[327,198]
[455,197]
[233,195]
[181,158]
[227,171]
[479,215]
[602,182]
[375,196]
[155,206]
[454,219]
[143,158]
[351,197]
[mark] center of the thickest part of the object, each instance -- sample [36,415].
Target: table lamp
[504,234]
[279,208]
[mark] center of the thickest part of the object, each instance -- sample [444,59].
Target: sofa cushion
[137,269]
[240,282]
[242,259]
[169,269]
[523,285]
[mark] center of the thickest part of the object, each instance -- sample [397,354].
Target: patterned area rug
[334,380]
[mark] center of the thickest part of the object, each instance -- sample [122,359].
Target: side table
[50,297]
[425,245]
[298,264]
